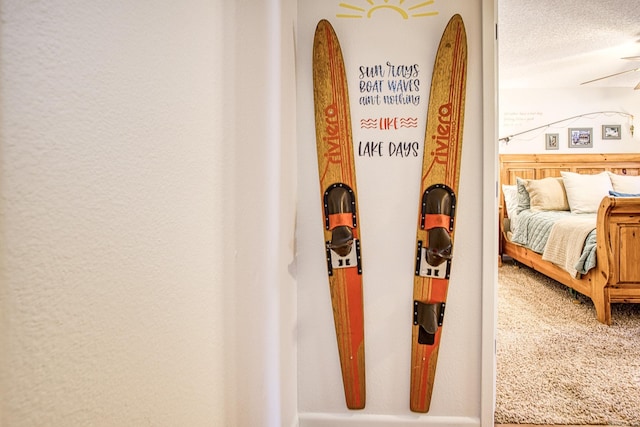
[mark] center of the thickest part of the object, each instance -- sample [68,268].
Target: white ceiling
[561,43]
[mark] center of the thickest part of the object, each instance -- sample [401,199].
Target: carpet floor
[556,364]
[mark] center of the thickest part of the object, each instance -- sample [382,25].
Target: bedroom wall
[524,109]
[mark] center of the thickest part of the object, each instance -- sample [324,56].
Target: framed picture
[551,141]
[611,132]
[580,137]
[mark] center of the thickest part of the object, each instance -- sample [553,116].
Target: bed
[615,276]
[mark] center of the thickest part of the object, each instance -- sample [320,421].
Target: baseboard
[371,420]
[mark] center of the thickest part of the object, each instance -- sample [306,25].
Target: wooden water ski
[436,216]
[339,196]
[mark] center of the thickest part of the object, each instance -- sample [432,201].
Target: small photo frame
[611,132]
[551,141]
[580,137]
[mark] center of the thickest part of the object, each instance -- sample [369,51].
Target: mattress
[532,229]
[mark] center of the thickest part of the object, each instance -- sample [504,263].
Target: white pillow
[625,183]
[510,194]
[585,192]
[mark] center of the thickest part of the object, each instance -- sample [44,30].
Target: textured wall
[112,186]
[147,183]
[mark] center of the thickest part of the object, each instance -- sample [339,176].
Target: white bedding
[566,241]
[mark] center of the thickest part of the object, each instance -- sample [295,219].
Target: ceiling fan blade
[632,58]
[610,75]
[637,86]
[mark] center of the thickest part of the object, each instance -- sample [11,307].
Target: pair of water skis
[436,209]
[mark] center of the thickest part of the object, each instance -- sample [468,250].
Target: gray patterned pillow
[523,195]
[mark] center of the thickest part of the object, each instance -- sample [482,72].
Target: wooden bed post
[601,300]
[604,262]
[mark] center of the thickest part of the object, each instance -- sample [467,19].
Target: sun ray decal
[372,6]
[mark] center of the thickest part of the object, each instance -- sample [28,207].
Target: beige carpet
[556,364]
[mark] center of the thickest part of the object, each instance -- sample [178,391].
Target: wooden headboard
[538,166]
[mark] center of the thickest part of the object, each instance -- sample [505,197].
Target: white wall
[261,328]
[144,238]
[525,109]
[388,200]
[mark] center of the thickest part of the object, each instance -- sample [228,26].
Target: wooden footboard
[616,277]
[535,261]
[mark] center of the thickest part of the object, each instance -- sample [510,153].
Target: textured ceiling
[556,43]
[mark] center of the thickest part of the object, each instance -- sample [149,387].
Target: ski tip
[324,30]
[323,23]
[456,21]
[456,18]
